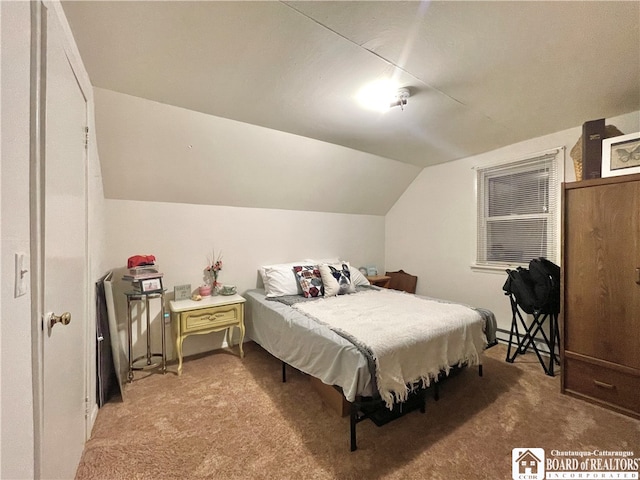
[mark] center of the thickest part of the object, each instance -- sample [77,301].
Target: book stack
[144,278]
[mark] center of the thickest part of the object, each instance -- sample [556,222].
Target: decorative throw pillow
[309,279]
[336,279]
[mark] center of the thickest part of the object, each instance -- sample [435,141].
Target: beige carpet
[227,418]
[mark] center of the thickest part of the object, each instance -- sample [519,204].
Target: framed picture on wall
[621,155]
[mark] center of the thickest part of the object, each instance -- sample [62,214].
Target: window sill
[501,269]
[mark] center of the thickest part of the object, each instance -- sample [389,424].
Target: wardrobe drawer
[602,384]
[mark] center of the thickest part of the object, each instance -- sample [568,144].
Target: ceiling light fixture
[382,95]
[401,98]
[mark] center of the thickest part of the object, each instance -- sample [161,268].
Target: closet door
[64,358]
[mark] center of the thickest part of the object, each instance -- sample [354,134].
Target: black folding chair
[534,291]
[521,343]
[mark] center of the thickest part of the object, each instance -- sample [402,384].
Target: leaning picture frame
[621,155]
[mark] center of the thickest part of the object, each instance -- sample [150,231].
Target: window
[518,211]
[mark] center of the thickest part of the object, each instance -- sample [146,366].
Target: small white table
[211,314]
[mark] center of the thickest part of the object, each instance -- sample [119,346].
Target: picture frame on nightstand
[151,285]
[182,292]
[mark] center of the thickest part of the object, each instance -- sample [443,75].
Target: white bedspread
[410,338]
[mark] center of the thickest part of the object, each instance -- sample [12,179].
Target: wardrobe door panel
[602,257]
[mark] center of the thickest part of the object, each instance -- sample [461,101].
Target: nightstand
[379,280]
[211,314]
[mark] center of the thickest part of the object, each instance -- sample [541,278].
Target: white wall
[431,230]
[17,394]
[182,236]
[162,153]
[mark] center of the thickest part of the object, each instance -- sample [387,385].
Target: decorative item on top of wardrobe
[212,270]
[587,152]
[621,155]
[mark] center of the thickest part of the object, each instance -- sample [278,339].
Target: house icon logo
[527,463]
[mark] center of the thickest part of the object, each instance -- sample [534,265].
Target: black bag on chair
[546,278]
[536,289]
[521,285]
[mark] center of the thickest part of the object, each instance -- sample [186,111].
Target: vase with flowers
[214,265]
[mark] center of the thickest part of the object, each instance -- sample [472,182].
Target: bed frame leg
[423,400]
[352,424]
[284,372]
[436,392]
[480,370]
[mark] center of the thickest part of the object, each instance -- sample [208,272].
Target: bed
[330,338]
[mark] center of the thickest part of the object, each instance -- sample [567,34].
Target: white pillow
[280,279]
[336,279]
[357,278]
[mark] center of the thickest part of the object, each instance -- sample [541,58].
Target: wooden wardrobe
[600,314]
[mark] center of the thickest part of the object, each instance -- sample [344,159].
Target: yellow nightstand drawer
[205,318]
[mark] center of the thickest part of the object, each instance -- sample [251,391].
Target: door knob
[64,319]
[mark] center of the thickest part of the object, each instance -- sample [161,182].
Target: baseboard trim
[92,416]
[540,343]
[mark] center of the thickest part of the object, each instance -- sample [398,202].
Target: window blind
[518,208]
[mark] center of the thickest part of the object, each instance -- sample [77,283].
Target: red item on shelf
[138,260]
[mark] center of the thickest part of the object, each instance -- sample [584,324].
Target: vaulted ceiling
[481,75]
